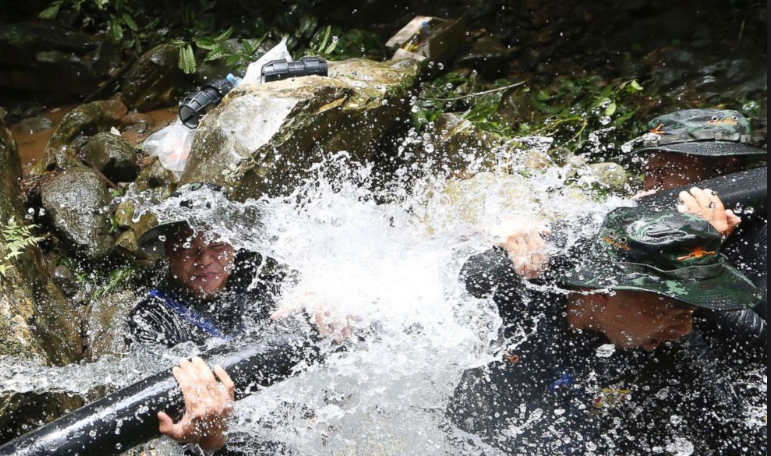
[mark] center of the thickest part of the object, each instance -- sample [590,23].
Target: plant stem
[479,94]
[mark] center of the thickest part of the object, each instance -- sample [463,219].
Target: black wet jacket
[169,316]
[744,335]
[556,391]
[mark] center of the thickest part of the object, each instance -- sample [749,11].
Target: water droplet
[606,351]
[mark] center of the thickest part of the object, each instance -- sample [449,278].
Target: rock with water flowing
[36,322]
[76,202]
[610,176]
[86,120]
[263,138]
[113,156]
[106,325]
[459,147]
[153,80]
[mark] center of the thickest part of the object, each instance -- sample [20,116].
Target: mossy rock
[263,138]
[86,120]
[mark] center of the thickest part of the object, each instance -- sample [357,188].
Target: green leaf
[327,34]
[206,43]
[216,54]
[249,47]
[224,35]
[130,22]
[611,109]
[187,59]
[153,24]
[52,12]
[624,118]
[332,47]
[233,60]
[636,85]
[542,95]
[115,30]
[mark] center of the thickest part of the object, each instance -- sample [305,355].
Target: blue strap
[189,314]
[567,380]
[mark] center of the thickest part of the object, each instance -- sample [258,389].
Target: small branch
[101,175]
[479,94]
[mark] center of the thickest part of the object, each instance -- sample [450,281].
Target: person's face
[634,320]
[200,266]
[665,171]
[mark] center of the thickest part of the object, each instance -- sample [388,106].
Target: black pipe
[745,190]
[128,418]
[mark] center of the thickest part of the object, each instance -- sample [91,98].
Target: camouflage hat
[665,253]
[703,132]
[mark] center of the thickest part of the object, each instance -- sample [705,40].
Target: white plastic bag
[172,146]
[254,72]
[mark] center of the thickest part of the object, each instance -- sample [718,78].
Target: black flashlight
[197,104]
[306,66]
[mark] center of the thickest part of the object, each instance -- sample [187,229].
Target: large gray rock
[36,322]
[86,120]
[113,156]
[76,201]
[49,58]
[153,80]
[263,138]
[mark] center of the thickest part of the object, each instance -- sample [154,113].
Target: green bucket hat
[185,203]
[702,132]
[665,253]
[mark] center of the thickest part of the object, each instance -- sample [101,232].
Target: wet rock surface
[457,145]
[86,120]
[263,138]
[153,80]
[107,324]
[36,124]
[112,155]
[36,322]
[49,58]
[75,201]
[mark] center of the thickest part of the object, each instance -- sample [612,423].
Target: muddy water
[31,143]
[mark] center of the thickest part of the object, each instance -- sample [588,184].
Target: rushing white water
[387,261]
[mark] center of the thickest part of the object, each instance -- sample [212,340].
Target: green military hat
[703,132]
[665,253]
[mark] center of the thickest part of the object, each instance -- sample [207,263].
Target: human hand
[328,323]
[208,406]
[525,242]
[707,205]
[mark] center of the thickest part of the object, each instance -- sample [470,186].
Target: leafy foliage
[17,239]
[569,110]
[208,26]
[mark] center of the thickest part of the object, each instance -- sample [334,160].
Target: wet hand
[525,243]
[208,406]
[328,323]
[707,205]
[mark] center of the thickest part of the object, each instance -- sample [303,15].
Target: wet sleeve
[153,324]
[491,274]
[749,254]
